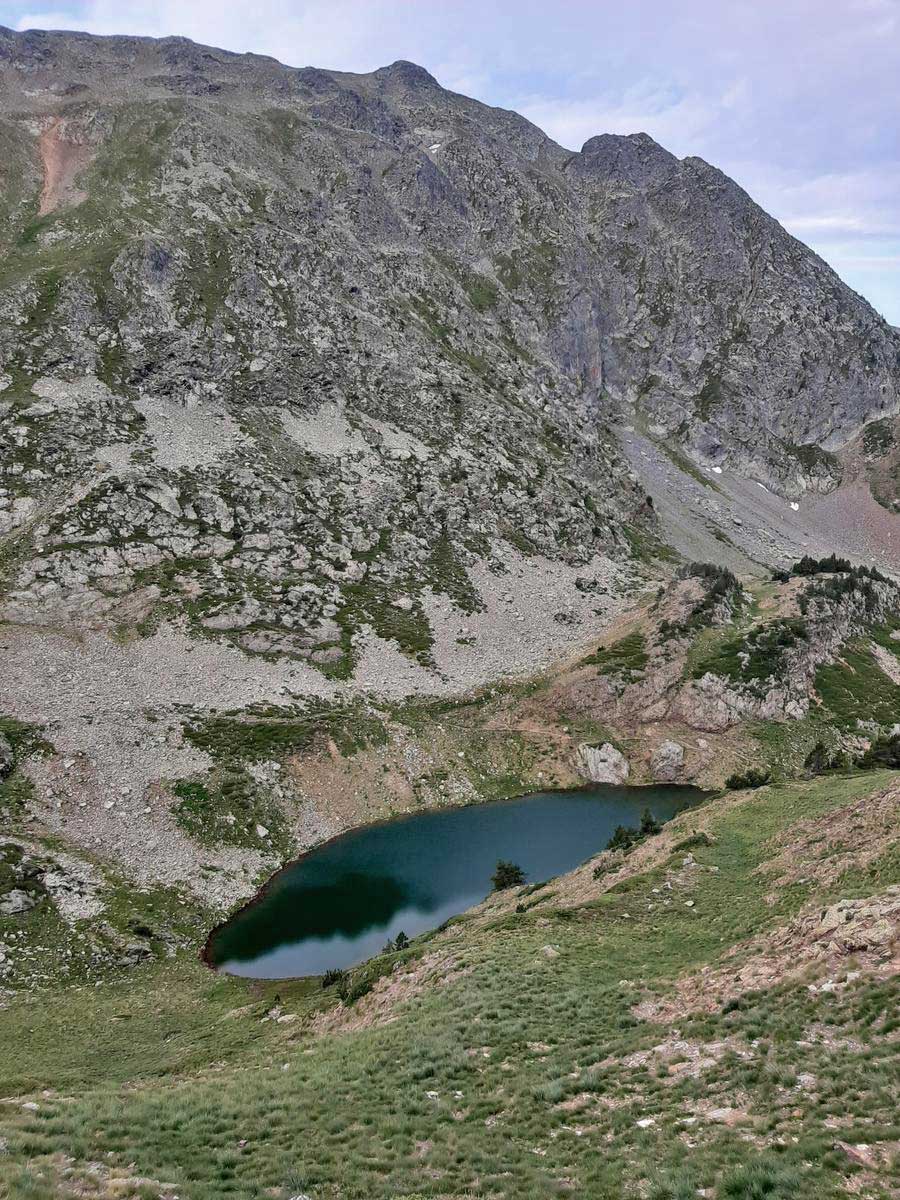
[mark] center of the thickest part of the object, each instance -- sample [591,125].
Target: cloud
[345,34]
[678,121]
[59,19]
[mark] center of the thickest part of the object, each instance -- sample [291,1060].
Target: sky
[798,100]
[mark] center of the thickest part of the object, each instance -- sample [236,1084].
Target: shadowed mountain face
[280,344]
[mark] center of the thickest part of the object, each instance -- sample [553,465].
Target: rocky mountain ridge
[285,347]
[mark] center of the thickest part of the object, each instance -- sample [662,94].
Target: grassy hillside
[574,1048]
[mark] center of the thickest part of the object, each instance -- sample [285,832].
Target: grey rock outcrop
[602,764]
[667,761]
[16,901]
[7,758]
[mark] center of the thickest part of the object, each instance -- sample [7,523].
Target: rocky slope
[206,797]
[712,1012]
[320,387]
[283,347]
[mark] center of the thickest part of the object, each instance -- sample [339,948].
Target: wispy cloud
[676,119]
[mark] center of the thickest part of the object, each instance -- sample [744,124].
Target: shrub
[820,759]
[831,565]
[720,577]
[627,657]
[623,838]
[507,875]
[296,1183]
[884,752]
[859,582]
[332,977]
[751,778]
[400,942]
[351,990]
[722,597]
[649,824]
[677,1185]
[759,1180]
[693,842]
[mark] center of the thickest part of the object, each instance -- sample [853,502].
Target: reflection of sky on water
[340,904]
[321,954]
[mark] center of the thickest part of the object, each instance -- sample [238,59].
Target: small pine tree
[623,838]
[752,778]
[884,752]
[649,824]
[507,875]
[818,760]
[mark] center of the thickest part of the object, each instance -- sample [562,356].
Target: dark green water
[340,904]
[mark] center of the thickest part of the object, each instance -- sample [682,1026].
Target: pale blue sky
[798,100]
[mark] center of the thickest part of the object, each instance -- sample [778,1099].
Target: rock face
[761,666]
[667,761]
[280,345]
[602,764]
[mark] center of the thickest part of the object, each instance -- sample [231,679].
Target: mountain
[363,452]
[283,348]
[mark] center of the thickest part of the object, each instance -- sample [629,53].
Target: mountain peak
[406,74]
[633,156]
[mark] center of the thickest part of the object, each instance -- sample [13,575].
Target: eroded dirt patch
[823,848]
[65,153]
[860,934]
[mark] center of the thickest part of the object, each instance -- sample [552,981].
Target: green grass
[175,1070]
[25,739]
[16,789]
[882,634]
[628,657]
[855,690]
[230,807]
[784,745]
[372,604]
[753,657]
[684,464]
[878,437]
[482,292]
[252,736]
[645,546]
[815,460]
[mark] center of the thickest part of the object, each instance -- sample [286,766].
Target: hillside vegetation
[716,1011]
[709,1009]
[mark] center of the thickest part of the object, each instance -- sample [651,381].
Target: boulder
[602,764]
[133,953]
[7,758]
[667,761]
[16,901]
